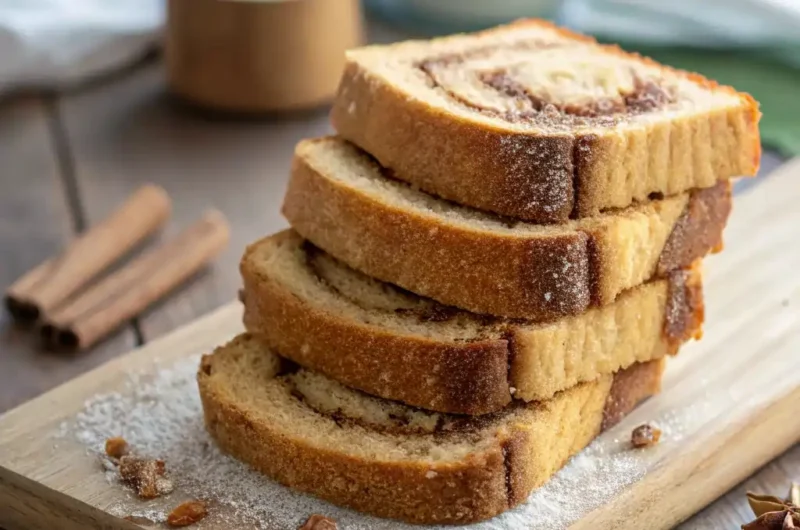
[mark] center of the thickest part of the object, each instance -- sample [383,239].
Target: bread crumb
[187,514]
[144,476]
[548,296]
[645,436]
[431,474]
[117,447]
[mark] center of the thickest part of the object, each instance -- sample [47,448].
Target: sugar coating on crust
[553,192]
[258,379]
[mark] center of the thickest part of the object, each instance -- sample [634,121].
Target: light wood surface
[741,384]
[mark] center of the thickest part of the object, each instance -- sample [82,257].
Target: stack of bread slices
[486,269]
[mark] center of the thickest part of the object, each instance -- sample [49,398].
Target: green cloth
[773,83]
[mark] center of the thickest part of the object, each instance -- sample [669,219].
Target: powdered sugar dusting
[162,418]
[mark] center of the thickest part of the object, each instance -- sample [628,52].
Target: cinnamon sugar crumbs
[145,476]
[645,436]
[187,514]
[117,447]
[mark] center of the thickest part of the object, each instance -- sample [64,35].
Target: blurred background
[207,98]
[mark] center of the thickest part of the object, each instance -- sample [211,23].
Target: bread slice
[535,122]
[390,343]
[338,199]
[376,456]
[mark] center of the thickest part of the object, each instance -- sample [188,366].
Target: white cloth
[57,43]
[771,25]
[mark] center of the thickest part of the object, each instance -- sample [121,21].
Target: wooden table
[66,161]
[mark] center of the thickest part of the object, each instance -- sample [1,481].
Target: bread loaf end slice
[382,458]
[532,121]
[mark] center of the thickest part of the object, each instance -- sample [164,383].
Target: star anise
[773,513]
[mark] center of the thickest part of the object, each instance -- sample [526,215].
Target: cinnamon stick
[119,297]
[56,279]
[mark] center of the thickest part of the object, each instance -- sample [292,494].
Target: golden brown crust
[685,308]
[543,177]
[638,380]
[535,276]
[472,376]
[698,229]
[475,487]
[429,372]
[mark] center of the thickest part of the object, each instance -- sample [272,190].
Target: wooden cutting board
[737,393]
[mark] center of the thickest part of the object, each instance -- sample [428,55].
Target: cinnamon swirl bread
[339,199]
[532,121]
[379,457]
[390,343]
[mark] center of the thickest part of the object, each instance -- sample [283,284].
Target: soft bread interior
[308,406]
[315,276]
[575,348]
[344,163]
